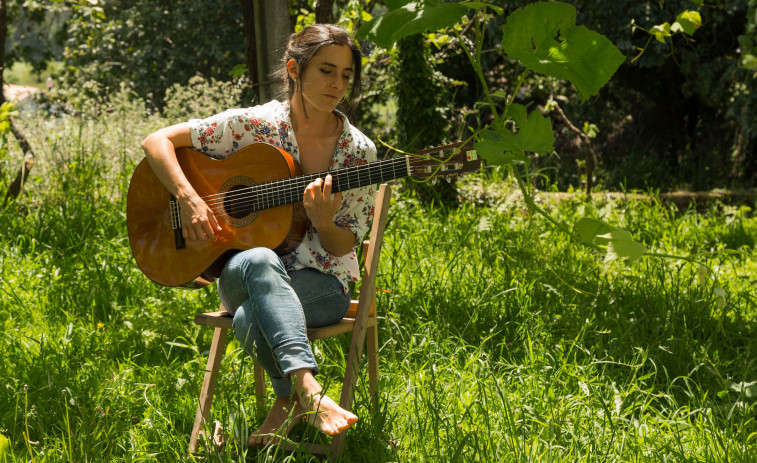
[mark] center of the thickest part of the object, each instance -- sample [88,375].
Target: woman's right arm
[198,220]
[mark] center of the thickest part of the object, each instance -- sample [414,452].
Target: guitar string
[272,195]
[306,179]
[270,198]
[253,204]
[278,189]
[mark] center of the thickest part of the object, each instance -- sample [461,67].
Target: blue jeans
[272,310]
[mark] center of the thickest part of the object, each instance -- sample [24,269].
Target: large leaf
[498,148]
[544,38]
[505,147]
[618,243]
[587,229]
[621,245]
[410,19]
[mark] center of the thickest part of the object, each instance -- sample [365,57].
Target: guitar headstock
[452,159]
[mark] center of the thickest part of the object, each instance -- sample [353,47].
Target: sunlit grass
[500,340]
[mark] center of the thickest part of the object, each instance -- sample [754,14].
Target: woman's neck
[316,122]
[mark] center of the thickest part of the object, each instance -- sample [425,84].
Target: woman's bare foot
[323,413]
[280,420]
[219,437]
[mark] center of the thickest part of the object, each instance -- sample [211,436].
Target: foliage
[152,45]
[555,47]
[36,32]
[200,98]
[422,116]
[7,111]
[704,135]
[580,361]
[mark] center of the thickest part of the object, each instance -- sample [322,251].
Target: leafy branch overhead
[544,38]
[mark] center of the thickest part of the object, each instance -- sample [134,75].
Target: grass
[500,339]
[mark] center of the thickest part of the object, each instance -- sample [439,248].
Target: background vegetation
[501,339]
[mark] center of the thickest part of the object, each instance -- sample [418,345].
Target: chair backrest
[372,251]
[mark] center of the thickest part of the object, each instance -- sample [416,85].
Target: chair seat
[223,319]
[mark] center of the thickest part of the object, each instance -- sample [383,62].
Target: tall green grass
[500,340]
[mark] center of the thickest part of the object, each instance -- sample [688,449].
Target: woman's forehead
[339,56]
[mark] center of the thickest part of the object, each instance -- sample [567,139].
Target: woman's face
[326,78]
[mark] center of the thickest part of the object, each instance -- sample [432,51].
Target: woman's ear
[292,69]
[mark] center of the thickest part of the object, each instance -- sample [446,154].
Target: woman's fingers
[198,222]
[318,201]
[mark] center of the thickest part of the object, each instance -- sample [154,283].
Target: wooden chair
[360,320]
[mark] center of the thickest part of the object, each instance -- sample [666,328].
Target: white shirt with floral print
[221,135]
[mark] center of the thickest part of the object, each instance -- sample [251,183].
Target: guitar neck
[287,191]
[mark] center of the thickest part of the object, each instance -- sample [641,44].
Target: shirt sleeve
[358,205]
[221,135]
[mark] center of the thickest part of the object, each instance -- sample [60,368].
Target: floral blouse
[221,135]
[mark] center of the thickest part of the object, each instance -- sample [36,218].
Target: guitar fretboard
[287,191]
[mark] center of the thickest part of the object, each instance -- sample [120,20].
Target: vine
[544,38]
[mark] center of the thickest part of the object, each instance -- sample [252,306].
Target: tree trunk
[23,173]
[250,47]
[3,34]
[324,12]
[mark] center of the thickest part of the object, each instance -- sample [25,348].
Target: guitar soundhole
[238,202]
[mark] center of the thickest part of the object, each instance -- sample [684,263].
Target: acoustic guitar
[256,195]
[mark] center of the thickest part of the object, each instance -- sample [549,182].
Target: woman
[275,298]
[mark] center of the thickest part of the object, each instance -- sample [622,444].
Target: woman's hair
[303,45]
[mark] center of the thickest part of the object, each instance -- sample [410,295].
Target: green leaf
[621,245]
[498,148]
[749,390]
[661,32]
[749,61]
[587,229]
[518,113]
[410,19]
[504,147]
[481,5]
[544,38]
[537,134]
[689,21]
[238,71]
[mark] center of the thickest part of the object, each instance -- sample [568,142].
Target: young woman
[275,298]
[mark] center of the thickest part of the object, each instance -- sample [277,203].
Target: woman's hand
[320,206]
[321,209]
[198,222]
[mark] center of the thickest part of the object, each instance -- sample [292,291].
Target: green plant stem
[476,63]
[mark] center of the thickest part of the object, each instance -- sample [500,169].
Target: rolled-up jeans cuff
[295,355]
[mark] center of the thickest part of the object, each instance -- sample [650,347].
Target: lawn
[500,339]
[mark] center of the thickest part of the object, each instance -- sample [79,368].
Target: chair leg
[373,363]
[208,385]
[259,375]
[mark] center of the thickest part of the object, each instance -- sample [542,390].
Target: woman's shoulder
[270,110]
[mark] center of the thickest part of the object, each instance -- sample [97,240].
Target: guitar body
[156,242]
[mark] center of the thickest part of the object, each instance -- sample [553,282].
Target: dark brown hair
[303,45]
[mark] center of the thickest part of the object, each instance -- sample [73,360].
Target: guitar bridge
[175,213]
